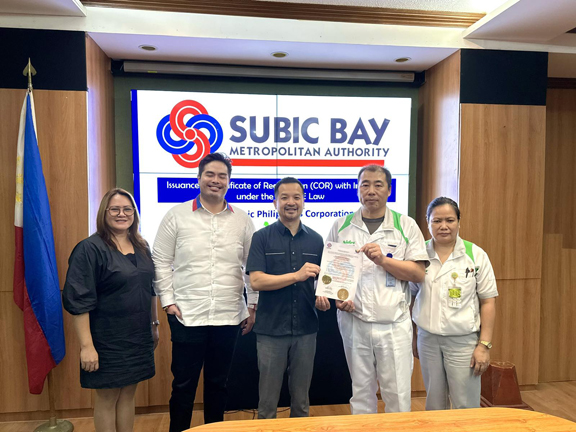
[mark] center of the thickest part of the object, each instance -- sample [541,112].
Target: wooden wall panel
[502,185]
[502,164]
[558,304]
[101,146]
[439,117]
[61,126]
[516,331]
[560,204]
[558,320]
[61,122]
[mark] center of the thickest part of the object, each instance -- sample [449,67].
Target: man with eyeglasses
[199,253]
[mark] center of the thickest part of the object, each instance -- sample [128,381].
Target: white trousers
[445,362]
[378,353]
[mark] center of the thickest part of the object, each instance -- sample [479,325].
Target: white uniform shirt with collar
[374,301]
[198,258]
[476,280]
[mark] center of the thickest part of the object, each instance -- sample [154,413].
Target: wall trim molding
[300,11]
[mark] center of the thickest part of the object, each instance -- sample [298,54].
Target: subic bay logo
[185,121]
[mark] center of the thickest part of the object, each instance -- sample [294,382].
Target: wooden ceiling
[299,11]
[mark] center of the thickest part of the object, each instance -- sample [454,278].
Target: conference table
[480,419]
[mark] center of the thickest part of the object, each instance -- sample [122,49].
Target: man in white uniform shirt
[376,327]
[199,252]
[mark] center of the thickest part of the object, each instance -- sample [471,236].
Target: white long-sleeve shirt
[198,258]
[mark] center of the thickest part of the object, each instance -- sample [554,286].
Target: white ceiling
[43,7]
[535,25]
[244,52]
[534,21]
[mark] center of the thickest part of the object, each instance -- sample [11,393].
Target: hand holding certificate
[339,271]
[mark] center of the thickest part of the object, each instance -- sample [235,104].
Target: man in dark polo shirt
[283,263]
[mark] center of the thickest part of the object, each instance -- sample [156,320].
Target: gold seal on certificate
[339,271]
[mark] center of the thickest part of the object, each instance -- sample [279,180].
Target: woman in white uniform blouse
[454,311]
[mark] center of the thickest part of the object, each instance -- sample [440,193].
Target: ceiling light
[402,59]
[279,54]
[148,47]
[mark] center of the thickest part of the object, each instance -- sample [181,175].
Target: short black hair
[441,201]
[377,168]
[287,180]
[215,157]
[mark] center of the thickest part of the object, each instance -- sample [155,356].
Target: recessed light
[148,47]
[279,54]
[402,59]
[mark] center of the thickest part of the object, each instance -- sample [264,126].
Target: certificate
[339,271]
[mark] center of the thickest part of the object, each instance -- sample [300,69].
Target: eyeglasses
[115,211]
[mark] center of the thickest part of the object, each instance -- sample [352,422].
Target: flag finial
[29,71]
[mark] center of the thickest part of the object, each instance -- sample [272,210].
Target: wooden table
[480,419]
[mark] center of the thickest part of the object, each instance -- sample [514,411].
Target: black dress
[116,290]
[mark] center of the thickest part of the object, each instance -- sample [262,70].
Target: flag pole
[53,424]
[29,71]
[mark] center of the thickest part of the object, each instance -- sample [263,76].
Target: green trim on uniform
[468,245]
[347,221]
[427,242]
[396,217]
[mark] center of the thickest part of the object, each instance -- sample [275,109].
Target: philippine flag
[36,285]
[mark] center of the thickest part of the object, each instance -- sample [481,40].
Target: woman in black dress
[109,292]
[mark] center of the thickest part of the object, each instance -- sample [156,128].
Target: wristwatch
[486,344]
[156,323]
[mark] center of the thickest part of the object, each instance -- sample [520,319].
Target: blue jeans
[275,354]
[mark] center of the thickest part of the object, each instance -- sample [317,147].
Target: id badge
[390,280]
[455,297]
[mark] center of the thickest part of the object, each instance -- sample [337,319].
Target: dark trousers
[192,348]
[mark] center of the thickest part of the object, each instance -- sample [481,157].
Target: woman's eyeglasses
[115,211]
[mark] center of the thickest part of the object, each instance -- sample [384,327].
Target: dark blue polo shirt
[290,310]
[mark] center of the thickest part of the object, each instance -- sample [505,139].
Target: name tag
[455,297]
[390,280]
